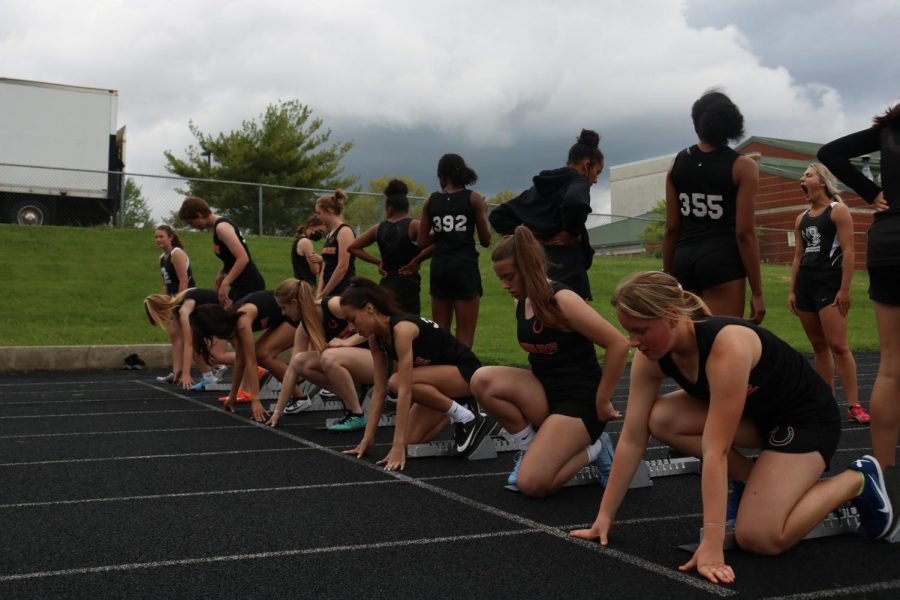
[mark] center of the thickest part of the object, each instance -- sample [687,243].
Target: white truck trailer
[58,144]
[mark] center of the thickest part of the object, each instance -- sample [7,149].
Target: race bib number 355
[701,205]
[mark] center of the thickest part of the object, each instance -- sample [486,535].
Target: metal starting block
[271,386]
[668,467]
[647,471]
[838,522]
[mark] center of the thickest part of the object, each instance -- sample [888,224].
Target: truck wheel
[30,212]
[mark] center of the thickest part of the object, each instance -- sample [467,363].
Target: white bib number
[701,205]
[449,223]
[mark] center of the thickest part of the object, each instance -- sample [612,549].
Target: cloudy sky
[507,83]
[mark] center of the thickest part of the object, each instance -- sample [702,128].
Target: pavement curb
[75,358]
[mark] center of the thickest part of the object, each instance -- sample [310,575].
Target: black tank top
[433,346]
[557,356]
[170,275]
[334,327]
[707,194]
[821,248]
[300,264]
[453,224]
[250,277]
[268,314]
[201,296]
[394,244]
[783,387]
[330,256]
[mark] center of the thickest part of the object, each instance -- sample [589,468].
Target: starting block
[838,522]
[268,391]
[497,441]
[647,471]
[590,475]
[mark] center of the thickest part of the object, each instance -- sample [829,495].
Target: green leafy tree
[654,231]
[364,210]
[500,197]
[284,146]
[137,213]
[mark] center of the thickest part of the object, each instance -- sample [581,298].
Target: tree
[284,146]
[137,213]
[652,235]
[363,211]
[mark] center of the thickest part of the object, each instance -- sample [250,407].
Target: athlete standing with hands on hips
[740,387]
[450,219]
[882,261]
[820,280]
[238,275]
[710,242]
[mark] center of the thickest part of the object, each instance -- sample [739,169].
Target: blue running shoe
[513,479]
[200,386]
[735,491]
[605,459]
[875,513]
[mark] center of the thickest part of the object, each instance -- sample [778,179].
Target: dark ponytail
[176,241]
[454,169]
[210,321]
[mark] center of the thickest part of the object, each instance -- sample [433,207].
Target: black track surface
[115,486]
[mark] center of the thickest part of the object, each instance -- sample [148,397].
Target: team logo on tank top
[813,239]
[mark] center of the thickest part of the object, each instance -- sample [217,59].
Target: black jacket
[559,200]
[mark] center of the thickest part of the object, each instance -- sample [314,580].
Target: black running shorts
[406,291]
[807,437]
[884,284]
[565,264]
[705,265]
[455,278]
[816,288]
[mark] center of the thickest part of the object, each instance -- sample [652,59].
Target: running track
[115,486]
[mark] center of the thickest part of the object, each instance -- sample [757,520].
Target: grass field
[71,286]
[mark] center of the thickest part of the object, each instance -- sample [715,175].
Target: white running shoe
[298,405]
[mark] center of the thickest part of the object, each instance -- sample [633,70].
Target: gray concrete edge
[75,358]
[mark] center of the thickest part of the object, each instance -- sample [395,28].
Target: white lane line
[639,521]
[106,414]
[265,490]
[118,432]
[646,565]
[850,591]
[147,457]
[83,400]
[263,555]
[83,382]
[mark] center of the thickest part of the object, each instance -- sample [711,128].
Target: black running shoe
[468,436]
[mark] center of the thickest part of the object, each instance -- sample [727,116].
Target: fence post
[122,200]
[260,210]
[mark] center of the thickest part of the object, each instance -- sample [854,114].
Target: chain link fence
[56,196]
[32,195]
